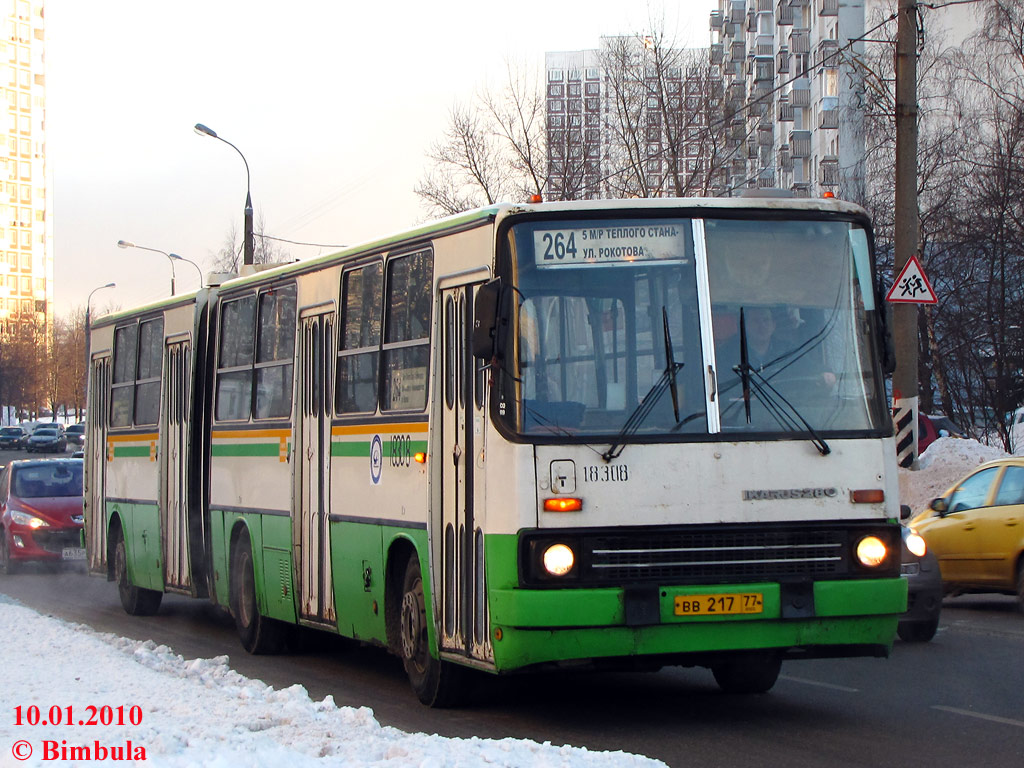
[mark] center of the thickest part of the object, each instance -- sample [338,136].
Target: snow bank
[946,461]
[202,713]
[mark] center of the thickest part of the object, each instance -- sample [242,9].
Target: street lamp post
[170,257]
[176,257]
[247,247]
[88,302]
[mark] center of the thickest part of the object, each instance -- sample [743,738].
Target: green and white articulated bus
[634,433]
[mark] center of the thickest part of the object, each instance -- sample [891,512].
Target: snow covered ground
[201,713]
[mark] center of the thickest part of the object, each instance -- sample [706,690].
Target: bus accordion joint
[563,505]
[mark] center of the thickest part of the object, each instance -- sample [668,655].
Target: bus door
[96,463]
[173,469]
[312,457]
[464,615]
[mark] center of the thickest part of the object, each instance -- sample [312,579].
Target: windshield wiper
[770,396]
[667,380]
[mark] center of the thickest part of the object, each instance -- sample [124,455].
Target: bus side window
[406,347]
[359,340]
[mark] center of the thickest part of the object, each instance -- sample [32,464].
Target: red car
[40,512]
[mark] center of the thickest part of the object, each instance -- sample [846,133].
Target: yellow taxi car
[976,529]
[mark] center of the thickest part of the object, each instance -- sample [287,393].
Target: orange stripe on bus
[373,429]
[133,438]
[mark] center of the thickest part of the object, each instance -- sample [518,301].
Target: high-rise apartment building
[630,118]
[791,115]
[26,264]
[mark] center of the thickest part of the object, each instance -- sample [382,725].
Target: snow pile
[202,713]
[946,461]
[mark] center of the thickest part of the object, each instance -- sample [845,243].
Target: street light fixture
[170,257]
[176,257]
[88,302]
[247,247]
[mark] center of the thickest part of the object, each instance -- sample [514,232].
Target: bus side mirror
[488,319]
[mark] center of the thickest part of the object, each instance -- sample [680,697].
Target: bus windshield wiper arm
[773,402]
[665,381]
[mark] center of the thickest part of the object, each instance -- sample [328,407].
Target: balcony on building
[751,21]
[738,166]
[766,179]
[827,53]
[828,171]
[738,51]
[800,93]
[799,41]
[752,148]
[765,6]
[828,7]
[800,143]
[737,11]
[764,45]
[799,3]
[737,91]
[783,61]
[829,118]
[784,14]
[717,54]
[785,158]
[765,136]
[716,20]
[785,110]
[800,189]
[764,68]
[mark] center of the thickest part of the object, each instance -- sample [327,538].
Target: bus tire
[136,601]
[258,633]
[749,673]
[437,683]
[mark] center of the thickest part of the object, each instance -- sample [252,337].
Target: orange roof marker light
[829,194]
[536,198]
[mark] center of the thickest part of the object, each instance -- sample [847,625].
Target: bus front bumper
[826,618]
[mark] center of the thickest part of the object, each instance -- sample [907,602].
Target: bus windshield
[676,328]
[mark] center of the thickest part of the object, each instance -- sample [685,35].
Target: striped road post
[904,417]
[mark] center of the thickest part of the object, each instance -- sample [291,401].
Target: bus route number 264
[606,473]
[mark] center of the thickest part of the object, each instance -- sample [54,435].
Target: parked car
[40,512]
[76,434]
[931,427]
[47,438]
[12,438]
[976,530]
[920,567]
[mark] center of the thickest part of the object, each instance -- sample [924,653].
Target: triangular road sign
[912,287]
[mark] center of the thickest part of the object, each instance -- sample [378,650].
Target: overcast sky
[334,105]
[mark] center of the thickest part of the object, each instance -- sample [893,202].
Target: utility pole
[904,378]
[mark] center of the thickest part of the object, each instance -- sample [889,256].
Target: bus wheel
[257,633]
[753,673]
[437,683]
[136,601]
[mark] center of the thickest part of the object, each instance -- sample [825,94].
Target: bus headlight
[871,551]
[558,559]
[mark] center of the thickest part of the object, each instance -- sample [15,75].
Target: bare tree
[664,129]
[266,249]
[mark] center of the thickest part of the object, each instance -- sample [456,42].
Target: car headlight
[29,521]
[916,544]
[871,551]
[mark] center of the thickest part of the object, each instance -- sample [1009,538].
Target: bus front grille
[713,556]
[709,554]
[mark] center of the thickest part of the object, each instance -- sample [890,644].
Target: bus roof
[480,216]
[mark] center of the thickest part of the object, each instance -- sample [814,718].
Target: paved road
[957,701]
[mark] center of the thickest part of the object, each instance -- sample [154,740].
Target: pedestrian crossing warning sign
[912,287]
